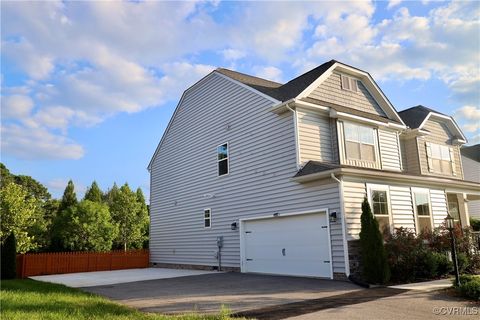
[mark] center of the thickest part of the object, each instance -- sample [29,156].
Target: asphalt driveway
[240,293]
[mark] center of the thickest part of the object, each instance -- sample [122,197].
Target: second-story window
[359,142]
[222,158]
[439,159]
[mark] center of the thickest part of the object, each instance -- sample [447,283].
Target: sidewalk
[425,286]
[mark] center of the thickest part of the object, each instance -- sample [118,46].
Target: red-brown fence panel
[34,264]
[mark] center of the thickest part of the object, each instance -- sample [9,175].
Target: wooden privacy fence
[34,264]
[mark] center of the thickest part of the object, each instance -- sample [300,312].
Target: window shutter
[428,147]
[452,161]
[345,82]
[354,85]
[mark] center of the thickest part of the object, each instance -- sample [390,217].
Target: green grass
[31,300]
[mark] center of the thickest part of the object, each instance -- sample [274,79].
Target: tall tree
[8,252]
[143,217]
[69,196]
[94,193]
[110,194]
[88,227]
[374,257]
[17,215]
[124,209]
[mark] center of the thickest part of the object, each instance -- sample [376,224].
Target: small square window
[207,218]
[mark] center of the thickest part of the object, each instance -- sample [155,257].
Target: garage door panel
[294,245]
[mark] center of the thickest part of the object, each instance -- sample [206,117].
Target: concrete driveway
[241,293]
[90,279]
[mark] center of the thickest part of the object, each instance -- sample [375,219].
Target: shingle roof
[315,167]
[472,152]
[282,92]
[414,116]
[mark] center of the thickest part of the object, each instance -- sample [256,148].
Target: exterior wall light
[333,216]
[233,226]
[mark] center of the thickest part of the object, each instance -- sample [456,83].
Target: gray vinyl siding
[331,91]
[439,134]
[474,209]
[471,169]
[401,205]
[389,150]
[262,161]
[315,136]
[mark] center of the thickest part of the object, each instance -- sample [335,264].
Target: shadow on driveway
[241,293]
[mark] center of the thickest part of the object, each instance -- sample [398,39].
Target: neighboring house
[279,172]
[471,169]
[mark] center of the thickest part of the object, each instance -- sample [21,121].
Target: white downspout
[297,144]
[344,227]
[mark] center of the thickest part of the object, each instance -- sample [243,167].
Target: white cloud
[16,106]
[37,143]
[269,73]
[469,112]
[393,3]
[233,54]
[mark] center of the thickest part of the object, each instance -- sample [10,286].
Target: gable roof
[281,92]
[472,152]
[416,117]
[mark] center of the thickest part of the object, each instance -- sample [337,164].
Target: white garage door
[292,245]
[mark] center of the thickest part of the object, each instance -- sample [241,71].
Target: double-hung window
[439,158]
[359,142]
[380,206]
[453,207]
[422,210]
[222,159]
[207,218]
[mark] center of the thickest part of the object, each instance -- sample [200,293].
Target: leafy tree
[87,227]
[374,257]
[125,211]
[69,197]
[94,193]
[110,194]
[9,257]
[5,176]
[143,216]
[35,189]
[17,215]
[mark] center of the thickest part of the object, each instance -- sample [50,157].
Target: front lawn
[29,299]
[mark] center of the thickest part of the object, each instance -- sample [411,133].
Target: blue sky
[89,87]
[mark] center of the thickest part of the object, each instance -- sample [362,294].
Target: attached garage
[293,244]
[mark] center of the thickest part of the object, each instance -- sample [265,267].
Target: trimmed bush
[9,258]
[444,265]
[470,286]
[475,224]
[426,265]
[374,258]
[463,262]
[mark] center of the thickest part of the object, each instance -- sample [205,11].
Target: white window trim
[430,158]
[228,159]
[381,187]
[374,144]
[350,81]
[427,191]
[210,218]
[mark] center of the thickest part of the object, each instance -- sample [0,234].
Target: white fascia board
[449,119]
[306,92]
[360,74]
[343,115]
[248,87]
[281,107]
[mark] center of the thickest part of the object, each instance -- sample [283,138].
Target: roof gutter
[473,187]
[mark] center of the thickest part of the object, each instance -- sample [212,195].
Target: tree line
[101,221]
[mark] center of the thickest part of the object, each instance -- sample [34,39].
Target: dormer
[432,143]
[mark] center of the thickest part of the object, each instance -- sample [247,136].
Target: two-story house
[264,177]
